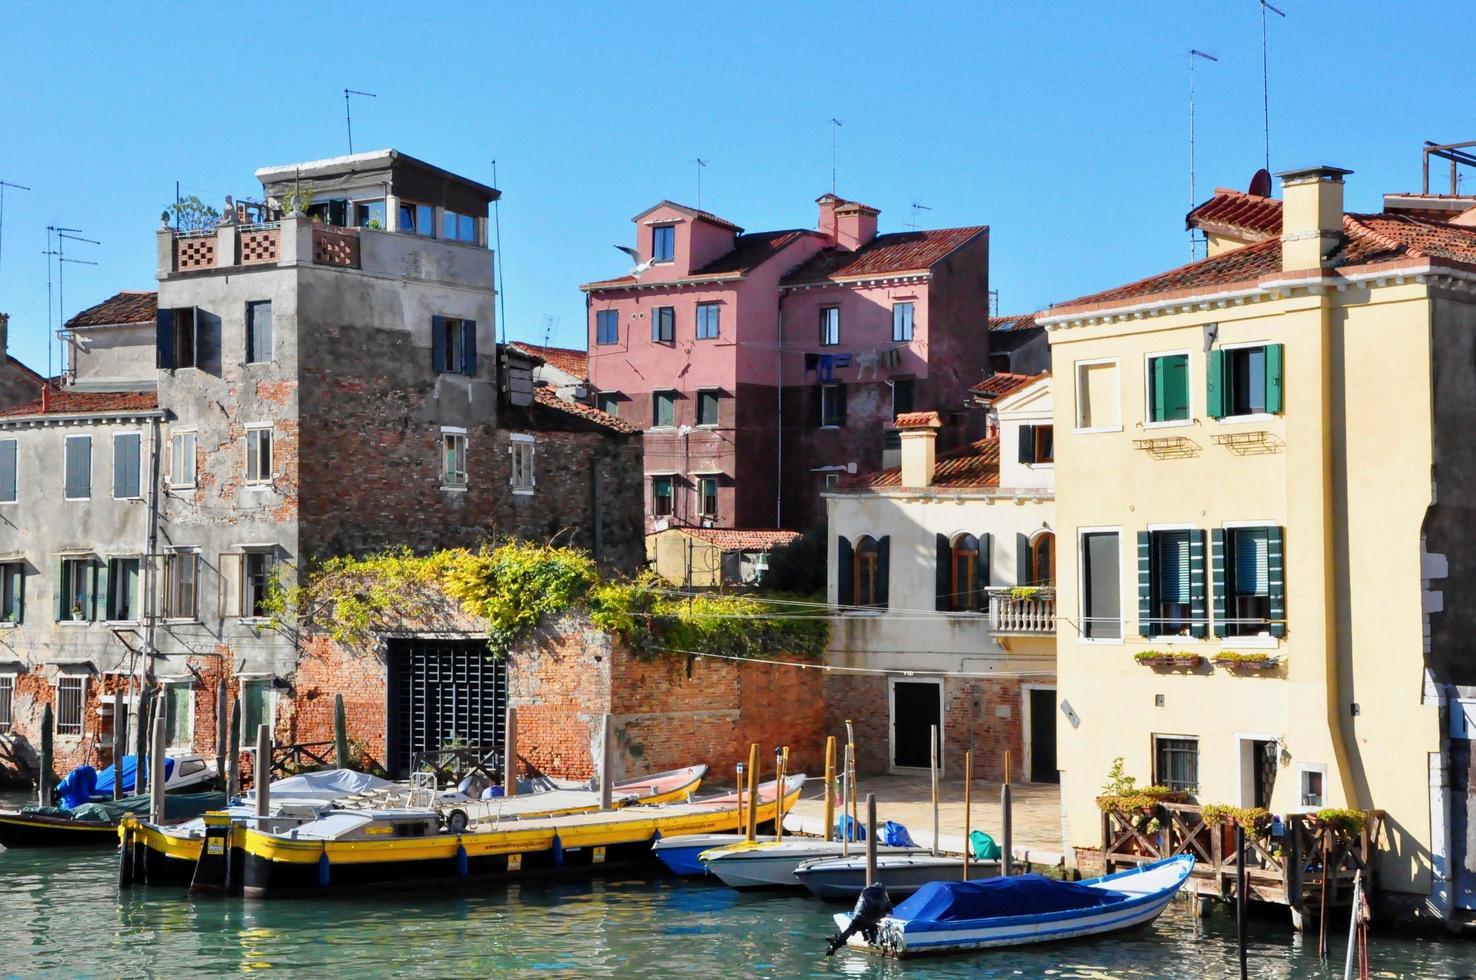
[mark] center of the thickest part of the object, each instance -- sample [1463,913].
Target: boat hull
[679,854]
[841,880]
[774,865]
[24,830]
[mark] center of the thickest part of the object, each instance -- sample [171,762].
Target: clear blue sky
[1062,126]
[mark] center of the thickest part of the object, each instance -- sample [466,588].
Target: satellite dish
[1261,184]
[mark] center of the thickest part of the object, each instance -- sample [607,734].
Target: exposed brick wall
[861,698]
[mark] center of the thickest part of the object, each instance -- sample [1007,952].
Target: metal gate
[442,693]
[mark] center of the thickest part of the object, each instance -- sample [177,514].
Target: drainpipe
[150,579]
[779,414]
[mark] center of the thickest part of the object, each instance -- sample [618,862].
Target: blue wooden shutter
[1022,559]
[1145,584]
[1275,399]
[164,339]
[883,568]
[438,344]
[1217,572]
[1216,391]
[1276,579]
[845,561]
[1027,443]
[1198,601]
[469,348]
[7,471]
[943,574]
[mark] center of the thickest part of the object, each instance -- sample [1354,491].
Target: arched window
[865,578]
[1043,559]
[966,590]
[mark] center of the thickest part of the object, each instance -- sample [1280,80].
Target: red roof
[1002,383]
[698,213]
[747,254]
[1007,324]
[968,467]
[65,401]
[736,539]
[126,307]
[903,251]
[918,420]
[545,398]
[574,363]
[1237,213]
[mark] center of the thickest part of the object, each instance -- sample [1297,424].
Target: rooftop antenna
[550,329]
[916,207]
[701,166]
[834,125]
[4,184]
[1265,86]
[501,293]
[64,235]
[1193,196]
[348,117]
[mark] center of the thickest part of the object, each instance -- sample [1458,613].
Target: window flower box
[1173,659]
[1255,661]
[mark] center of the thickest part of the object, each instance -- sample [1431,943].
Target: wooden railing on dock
[1290,869]
[289,759]
[451,766]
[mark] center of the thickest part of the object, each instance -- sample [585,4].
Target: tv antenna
[4,184]
[1193,196]
[701,166]
[916,207]
[63,235]
[550,329]
[348,116]
[834,125]
[1265,85]
[497,257]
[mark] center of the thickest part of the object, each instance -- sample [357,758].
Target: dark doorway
[1462,815]
[1043,735]
[916,708]
[442,693]
[1263,756]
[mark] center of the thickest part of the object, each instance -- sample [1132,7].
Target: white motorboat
[841,879]
[773,864]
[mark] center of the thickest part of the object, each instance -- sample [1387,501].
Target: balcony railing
[1028,610]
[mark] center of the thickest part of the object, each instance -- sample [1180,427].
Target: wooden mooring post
[870,838]
[607,762]
[968,801]
[261,776]
[753,789]
[1006,824]
[829,786]
[510,753]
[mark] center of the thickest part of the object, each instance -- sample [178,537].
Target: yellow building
[713,557]
[1269,453]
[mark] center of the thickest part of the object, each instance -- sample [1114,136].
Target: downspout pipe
[779,414]
[151,598]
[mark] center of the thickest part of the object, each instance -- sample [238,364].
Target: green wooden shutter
[16,587]
[1215,388]
[883,568]
[58,589]
[943,574]
[1217,573]
[1156,381]
[100,604]
[1198,601]
[1275,398]
[1175,387]
[1027,443]
[438,344]
[982,575]
[1145,584]
[845,560]
[1276,579]
[1022,559]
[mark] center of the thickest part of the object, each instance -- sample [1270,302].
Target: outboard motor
[872,906]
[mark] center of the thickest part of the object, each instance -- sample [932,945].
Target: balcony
[1028,611]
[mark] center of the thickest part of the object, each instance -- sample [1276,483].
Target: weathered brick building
[18,383]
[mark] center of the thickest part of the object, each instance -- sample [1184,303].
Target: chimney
[4,335]
[855,225]
[828,203]
[45,397]
[919,432]
[1311,216]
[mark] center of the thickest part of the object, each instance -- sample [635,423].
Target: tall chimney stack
[919,431]
[1311,217]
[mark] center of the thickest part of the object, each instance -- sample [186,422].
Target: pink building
[762,366]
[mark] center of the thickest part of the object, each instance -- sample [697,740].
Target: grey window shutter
[438,344]
[79,467]
[17,572]
[1145,584]
[1022,559]
[845,559]
[469,348]
[164,339]
[943,574]
[1217,574]
[981,574]
[1198,602]
[59,590]
[1276,578]
[883,568]
[125,465]
[101,607]
[1027,443]
[7,471]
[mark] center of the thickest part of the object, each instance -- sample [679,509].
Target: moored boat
[772,864]
[93,824]
[841,879]
[945,916]
[680,854]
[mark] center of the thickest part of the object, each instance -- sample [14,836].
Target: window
[181,584]
[259,332]
[1249,589]
[179,716]
[902,392]
[12,591]
[1168,388]
[77,590]
[454,346]
[607,327]
[71,695]
[176,337]
[869,573]
[1170,583]
[891,449]
[1176,763]
[708,315]
[259,454]
[829,326]
[1101,598]
[459,227]
[832,405]
[1311,786]
[258,571]
[1037,444]
[182,459]
[707,496]
[663,409]
[123,582]
[1041,569]
[608,402]
[256,708]
[7,471]
[663,243]
[127,455]
[369,214]
[966,589]
[663,325]
[829,480]
[522,450]
[1245,381]
[707,408]
[7,701]
[1097,399]
[453,458]
[79,468]
[418,219]
[661,496]
[902,321]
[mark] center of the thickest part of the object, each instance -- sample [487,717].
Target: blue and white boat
[679,854]
[956,916]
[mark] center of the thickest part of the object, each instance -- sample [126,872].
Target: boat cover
[105,778]
[960,901]
[326,784]
[77,788]
[177,806]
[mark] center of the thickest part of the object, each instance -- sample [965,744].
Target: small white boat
[680,854]
[1022,910]
[841,879]
[773,864]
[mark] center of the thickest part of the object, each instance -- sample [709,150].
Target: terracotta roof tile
[707,216]
[64,401]
[906,251]
[737,539]
[574,363]
[747,254]
[968,467]
[918,420]
[545,398]
[1247,215]
[1008,324]
[1001,383]
[126,307]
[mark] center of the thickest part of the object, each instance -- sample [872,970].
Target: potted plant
[1178,659]
[1255,660]
[76,613]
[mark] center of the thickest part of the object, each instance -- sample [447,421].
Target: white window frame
[254,430]
[697,480]
[1173,638]
[676,397]
[174,455]
[1250,416]
[116,436]
[170,585]
[1076,378]
[449,479]
[66,471]
[242,605]
[522,477]
[829,390]
[81,723]
[7,694]
[189,724]
[1153,772]
[911,320]
[1261,641]
[1122,604]
[1306,767]
[67,620]
[1148,359]
[717,397]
